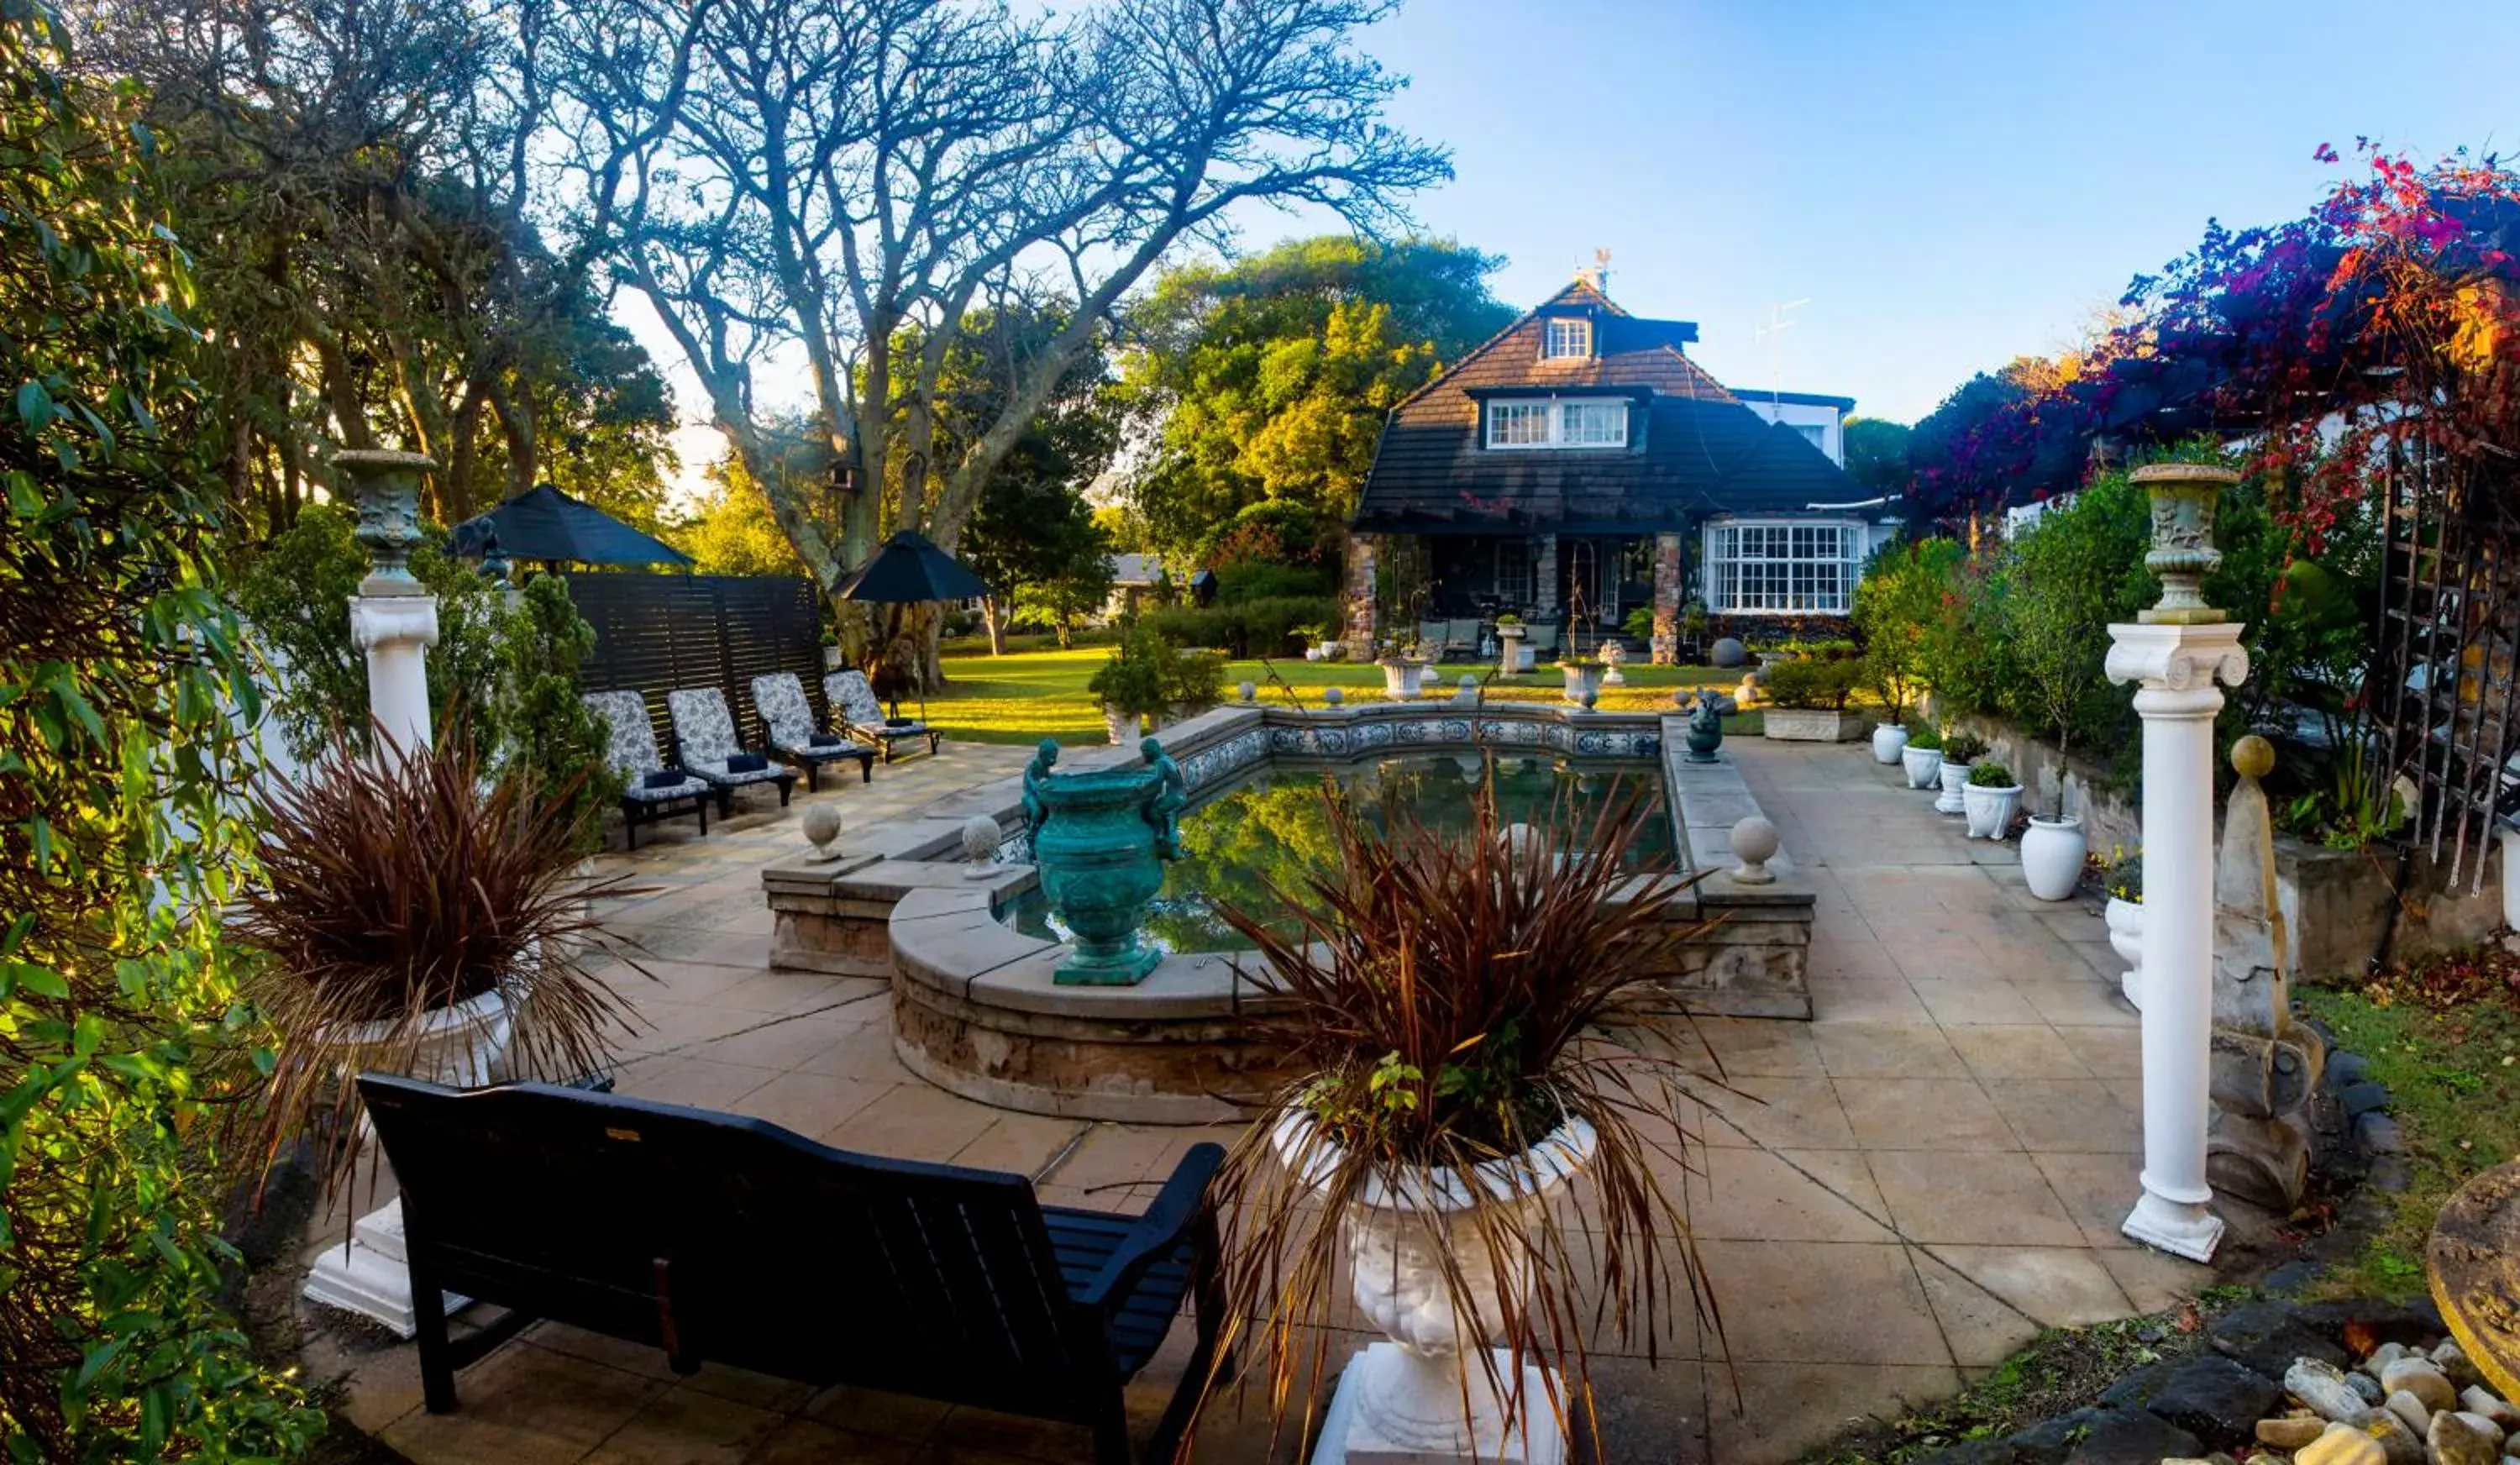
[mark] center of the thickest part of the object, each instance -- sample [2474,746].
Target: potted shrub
[1514,656]
[417,915]
[1474,1018]
[1315,637]
[1921,759]
[1990,799]
[1136,683]
[1404,668]
[2053,851]
[2124,882]
[1195,682]
[1959,750]
[1808,701]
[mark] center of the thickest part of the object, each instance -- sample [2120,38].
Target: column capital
[392,620]
[2178,658]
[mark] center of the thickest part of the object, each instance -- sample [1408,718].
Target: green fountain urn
[1100,840]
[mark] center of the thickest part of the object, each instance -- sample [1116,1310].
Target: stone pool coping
[976,1010]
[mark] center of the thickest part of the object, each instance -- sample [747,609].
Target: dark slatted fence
[654,633]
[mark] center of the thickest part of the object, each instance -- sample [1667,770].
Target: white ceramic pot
[2051,857]
[461,1046]
[831,659]
[1407,1398]
[1401,679]
[1311,653]
[1990,811]
[1582,681]
[1889,741]
[1924,766]
[1954,777]
[2125,920]
[1121,726]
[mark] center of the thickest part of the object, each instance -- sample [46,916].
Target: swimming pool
[1274,828]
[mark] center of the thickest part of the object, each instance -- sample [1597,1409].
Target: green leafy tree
[2064,581]
[1271,378]
[120,690]
[1877,454]
[733,531]
[1037,544]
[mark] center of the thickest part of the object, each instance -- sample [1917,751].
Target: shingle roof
[1700,450]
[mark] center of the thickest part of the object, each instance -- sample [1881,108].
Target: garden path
[1892,1197]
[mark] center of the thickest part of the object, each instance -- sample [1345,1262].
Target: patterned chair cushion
[686,787]
[853,701]
[630,740]
[702,724]
[781,700]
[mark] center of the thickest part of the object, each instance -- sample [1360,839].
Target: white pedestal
[396,631]
[2180,670]
[1393,1409]
[371,1273]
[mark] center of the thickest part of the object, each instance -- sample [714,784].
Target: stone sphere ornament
[1246,691]
[1335,695]
[821,823]
[982,837]
[1728,651]
[2253,757]
[1754,844]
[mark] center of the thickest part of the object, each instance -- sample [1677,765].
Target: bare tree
[795,183]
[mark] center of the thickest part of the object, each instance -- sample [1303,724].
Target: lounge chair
[779,699]
[1430,637]
[704,733]
[861,717]
[719,1239]
[1542,641]
[1461,637]
[651,791]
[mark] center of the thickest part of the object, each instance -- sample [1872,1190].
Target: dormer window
[1559,422]
[1566,338]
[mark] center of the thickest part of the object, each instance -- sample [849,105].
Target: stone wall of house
[1666,601]
[1357,589]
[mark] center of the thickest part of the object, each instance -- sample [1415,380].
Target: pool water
[1275,827]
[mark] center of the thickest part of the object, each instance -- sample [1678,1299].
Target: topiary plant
[1924,735]
[1989,775]
[1962,747]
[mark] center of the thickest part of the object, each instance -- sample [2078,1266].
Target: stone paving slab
[1889,1200]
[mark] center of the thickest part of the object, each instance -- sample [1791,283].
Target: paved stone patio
[1894,1196]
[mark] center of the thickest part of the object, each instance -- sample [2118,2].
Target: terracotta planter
[2051,857]
[2125,920]
[1954,777]
[1923,765]
[1889,741]
[1416,1397]
[1990,811]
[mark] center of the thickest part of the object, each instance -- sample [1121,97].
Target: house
[1578,465]
[1136,579]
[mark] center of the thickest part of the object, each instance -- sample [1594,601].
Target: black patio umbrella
[543,523]
[911,570]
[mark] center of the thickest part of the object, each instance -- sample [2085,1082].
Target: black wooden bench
[723,1239]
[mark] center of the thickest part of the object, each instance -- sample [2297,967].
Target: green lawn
[1027,695]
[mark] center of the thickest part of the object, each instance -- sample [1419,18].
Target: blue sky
[1948,185]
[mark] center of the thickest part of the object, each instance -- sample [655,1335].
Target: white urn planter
[1954,777]
[1401,678]
[2052,856]
[1889,742]
[1583,683]
[1120,727]
[1923,765]
[1990,811]
[370,1273]
[1512,655]
[1415,1397]
[2125,919]
[831,661]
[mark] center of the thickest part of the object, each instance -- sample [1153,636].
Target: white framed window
[1569,423]
[1813,434]
[1783,566]
[1518,425]
[1565,336]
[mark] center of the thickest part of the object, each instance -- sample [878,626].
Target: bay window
[1782,567]
[1559,422]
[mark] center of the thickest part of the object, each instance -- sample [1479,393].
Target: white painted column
[393,619]
[396,631]
[2180,670]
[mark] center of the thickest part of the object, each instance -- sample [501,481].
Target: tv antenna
[1779,321]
